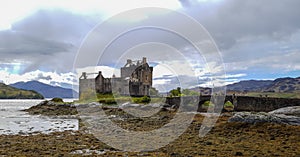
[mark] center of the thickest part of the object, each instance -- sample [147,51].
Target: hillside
[8,92]
[287,84]
[46,90]
[249,85]
[282,85]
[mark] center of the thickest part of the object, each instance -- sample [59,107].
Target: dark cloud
[19,44]
[253,36]
[55,24]
[46,40]
[244,31]
[152,43]
[233,20]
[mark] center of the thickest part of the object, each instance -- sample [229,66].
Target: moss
[57,100]
[144,100]
[228,104]
[50,109]
[207,104]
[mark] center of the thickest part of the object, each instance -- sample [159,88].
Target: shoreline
[225,138]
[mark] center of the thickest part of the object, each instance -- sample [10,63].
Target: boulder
[262,117]
[50,108]
[293,111]
[128,104]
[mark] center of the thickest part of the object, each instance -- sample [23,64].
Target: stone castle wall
[86,86]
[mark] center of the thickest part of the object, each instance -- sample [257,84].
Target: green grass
[110,99]
[8,92]
[228,105]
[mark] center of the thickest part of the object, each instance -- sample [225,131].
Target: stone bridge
[243,103]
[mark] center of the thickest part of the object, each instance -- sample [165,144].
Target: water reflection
[15,121]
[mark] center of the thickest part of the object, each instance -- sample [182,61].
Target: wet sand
[225,139]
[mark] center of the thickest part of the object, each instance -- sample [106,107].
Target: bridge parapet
[244,103]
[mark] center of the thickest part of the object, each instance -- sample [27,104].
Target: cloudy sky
[40,40]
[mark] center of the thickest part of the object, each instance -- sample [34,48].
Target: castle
[135,80]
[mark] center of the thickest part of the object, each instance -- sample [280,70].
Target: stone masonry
[135,80]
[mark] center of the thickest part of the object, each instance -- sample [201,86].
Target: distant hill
[284,85]
[9,92]
[280,85]
[46,90]
[287,84]
[250,85]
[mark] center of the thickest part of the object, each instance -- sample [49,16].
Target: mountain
[287,84]
[284,85]
[46,90]
[279,85]
[9,92]
[249,85]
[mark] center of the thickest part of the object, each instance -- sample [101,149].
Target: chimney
[129,61]
[144,60]
[84,75]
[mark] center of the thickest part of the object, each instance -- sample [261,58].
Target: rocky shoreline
[287,115]
[225,139]
[52,108]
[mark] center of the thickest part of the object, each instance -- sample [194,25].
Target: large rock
[293,111]
[50,108]
[263,117]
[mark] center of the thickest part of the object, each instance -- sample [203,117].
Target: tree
[184,92]
[175,92]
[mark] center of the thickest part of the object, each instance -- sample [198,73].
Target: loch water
[15,121]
